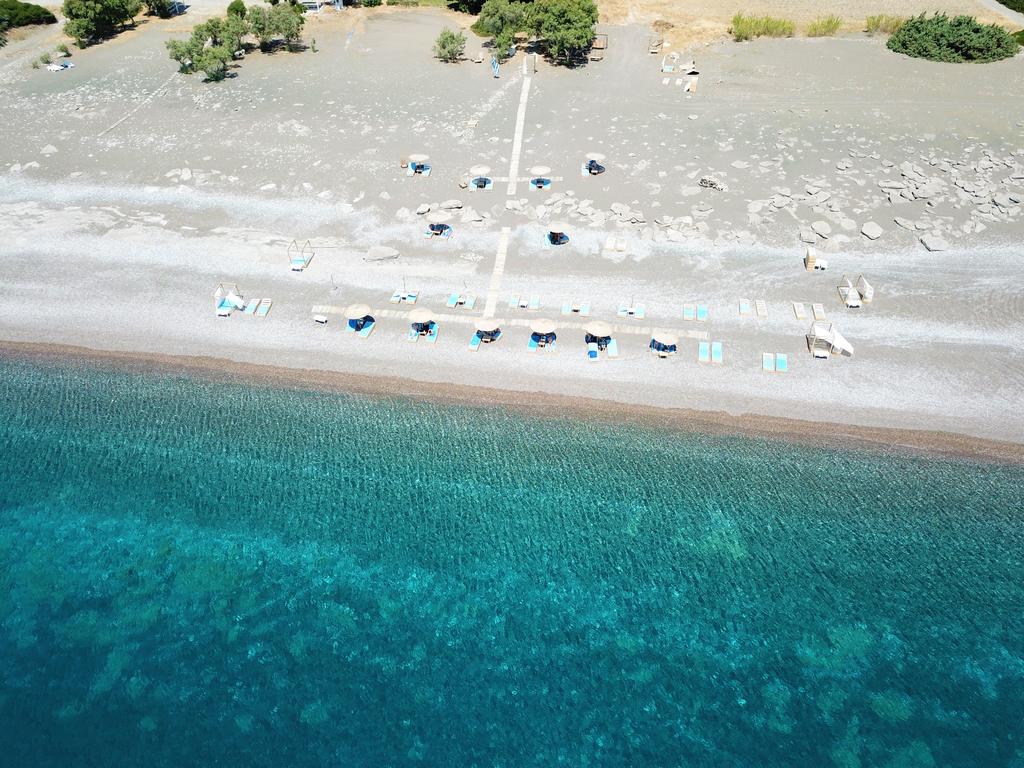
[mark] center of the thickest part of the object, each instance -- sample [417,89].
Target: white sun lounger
[761,306]
[704,352]
[716,352]
[819,311]
[799,310]
[768,362]
[745,308]
[264,308]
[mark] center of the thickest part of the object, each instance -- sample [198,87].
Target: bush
[824,26]
[63,49]
[566,26]
[748,27]
[88,20]
[370,3]
[19,14]
[1014,5]
[162,8]
[404,3]
[1019,37]
[883,24]
[237,8]
[46,59]
[957,39]
[467,6]
[450,45]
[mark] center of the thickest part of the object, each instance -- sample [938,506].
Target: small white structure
[824,341]
[864,288]
[226,299]
[849,294]
[811,261]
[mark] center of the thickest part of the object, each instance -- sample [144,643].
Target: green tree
[88,20]
[566,26]
[450,45]
[237,8]
[502,19]
[161,8]
[278,22]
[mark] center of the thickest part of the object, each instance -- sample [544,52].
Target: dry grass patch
[883,24]
[824,26]
[749,27]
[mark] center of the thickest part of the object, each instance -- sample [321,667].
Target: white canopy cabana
[542,326]
[598,329]
[357,311]
[823,341]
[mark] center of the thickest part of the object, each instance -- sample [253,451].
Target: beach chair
[413,335]
[716,352]
[431,336]
[702,313]
[768,362]
[867,293]
[320,319]
[225,308]
[584,310]
[250,308]
[592,351]
[799,310]
[264,308]
[474,343]
[849,294]
[410,298]
[534,302]
[781,362]
[532,346]
[819,311]
[453,301]
[639,311]
[745,308]
[623,311]
[469,302]
[396,297]
[513,302]
[613,348]
[367,329]
[567,308]
[689,312]
[761,307]
[704,352]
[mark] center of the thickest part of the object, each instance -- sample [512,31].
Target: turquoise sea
[208,573]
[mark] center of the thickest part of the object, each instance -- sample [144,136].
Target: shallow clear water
[204,573]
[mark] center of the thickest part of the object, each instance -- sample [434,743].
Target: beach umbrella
[542,326]
[597,157]
[479,170]
[539,171]
[438,217]
[419,158]
[357,311]
[666,338]
[558,227]
[487,324]
[421,316]
[379,252]
[598,328]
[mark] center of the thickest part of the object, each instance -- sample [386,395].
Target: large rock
[934,243]
[422,208]
[905,223]
[821,228]
[449,205]
[871,230]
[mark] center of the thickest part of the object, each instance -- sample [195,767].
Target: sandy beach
[129,192]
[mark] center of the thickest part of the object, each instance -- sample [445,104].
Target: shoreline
[814,433]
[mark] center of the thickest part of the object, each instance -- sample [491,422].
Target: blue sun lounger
[767,362]
[474,343]
[716,352]
[250,308]
[431,336]
[413,335]
[781,362]
[533,345]
[704,352]
[584,309]
[702,313]
[567,308]
[424,170]
[613,348]
[453,301]
[513,302]
[469,302]
[264,307]
[367,329]
[688,312]
[534,302]
[592,351]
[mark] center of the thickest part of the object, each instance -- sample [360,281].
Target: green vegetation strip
[749,27]
[957,39]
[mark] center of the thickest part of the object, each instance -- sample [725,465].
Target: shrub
[467,6]
[824,26]
[748,27]
[1019,37]
[19,14]
[883,23]
[404,3]
[46,59]
[1014,5]
[370,3]
[162,8]
[237,8]
[63,49]
[957,39]
[450,45]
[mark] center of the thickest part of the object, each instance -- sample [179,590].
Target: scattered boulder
[422,208]
[821,228]
[871,230]
[710,182]
[934,243]
[449,205]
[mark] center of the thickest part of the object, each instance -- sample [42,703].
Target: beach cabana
[437,226]
[592,166]
[849,294]
[300,256]
[479,177]
[540,177]
[556,234]
[488,330]
[542,334]
[598,333]
[824,341]
[664,343]
[359,319]
[864,288]
[226,299]
[421,323]
[418,165]
[811,261]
